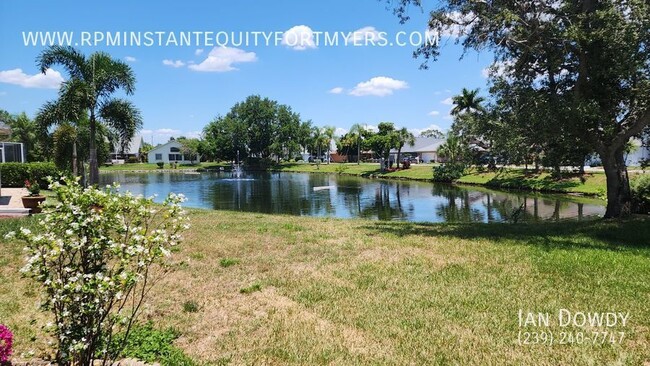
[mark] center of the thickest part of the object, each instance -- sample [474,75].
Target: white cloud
[497,69]
[198,51]
[172,63]
[447,101]
[167,131]
[340,131]
[299,38]
[221,59]
[130,59]
[193,134]
[337,90]
[363,37]
[418,131]
[463,24]
[379,86]
[146,132]
[50,80]
[434,113]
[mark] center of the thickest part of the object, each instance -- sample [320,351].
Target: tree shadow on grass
[598,234]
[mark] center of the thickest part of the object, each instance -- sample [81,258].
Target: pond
[304,194]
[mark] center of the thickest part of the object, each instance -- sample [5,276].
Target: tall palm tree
[357,131]
[92,82]
[328,136]
[403,137]
[467,101]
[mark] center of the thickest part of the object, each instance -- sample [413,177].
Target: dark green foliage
[448,172]
[14,174]
[640,186]
[160,164]
[151,345]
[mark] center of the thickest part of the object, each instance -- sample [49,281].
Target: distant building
[10,152]
[132,150]
[169,153]
[639,152]
[425,150]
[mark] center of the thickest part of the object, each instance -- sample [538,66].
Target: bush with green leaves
[14,174]
[448,172]
[96,256]
[160,164]
[640,186]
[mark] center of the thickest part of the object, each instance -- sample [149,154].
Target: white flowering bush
[94,258]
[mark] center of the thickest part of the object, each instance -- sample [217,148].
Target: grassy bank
[268,289]
[589,184]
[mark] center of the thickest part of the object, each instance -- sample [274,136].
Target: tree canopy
[582,67]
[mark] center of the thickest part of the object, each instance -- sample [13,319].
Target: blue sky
[181,88]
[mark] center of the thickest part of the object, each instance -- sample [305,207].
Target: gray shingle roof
[422,144]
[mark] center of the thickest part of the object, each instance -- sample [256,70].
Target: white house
[131,150]
[425,148]
[170,153]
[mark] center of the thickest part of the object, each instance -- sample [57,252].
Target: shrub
[132,160]
[160,164]
[6,339]
[93,259]
[341,168]
[14,174]
[640,186]
[448,172]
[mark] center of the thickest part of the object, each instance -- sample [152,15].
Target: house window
[174,149]
[158,156]
[175,157]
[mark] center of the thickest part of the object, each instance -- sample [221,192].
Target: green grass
[416,172]
[329,291]
[589,184]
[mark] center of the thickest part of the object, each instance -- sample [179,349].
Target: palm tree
[452,150]
[92,81]
[467,102]
[23,130]
[357,131]
[62,113]
[403,137]
[328,136]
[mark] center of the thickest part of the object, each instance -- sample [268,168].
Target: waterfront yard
[249,288]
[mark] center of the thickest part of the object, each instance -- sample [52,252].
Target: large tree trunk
[92,159]
[619,197]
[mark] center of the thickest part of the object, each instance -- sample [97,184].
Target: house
[639,152]
[132,150]
[425,150]
[169,153]
[10,152]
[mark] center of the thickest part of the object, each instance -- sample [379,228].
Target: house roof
[160,147]
[133,148]
[422,145]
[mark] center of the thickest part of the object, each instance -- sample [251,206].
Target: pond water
[304,194]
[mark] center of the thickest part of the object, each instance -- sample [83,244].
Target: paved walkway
[10,203]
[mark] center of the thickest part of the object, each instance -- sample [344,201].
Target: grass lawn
[590,183]
[269,289]
[417,171]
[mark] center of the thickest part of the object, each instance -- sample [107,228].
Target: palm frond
[122,117]
[71,59]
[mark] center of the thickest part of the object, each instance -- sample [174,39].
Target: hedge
[14,174]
